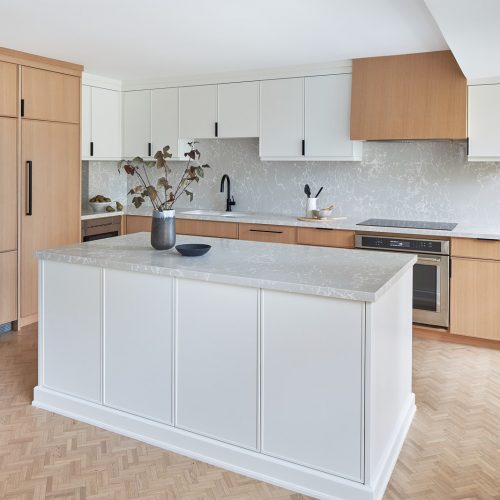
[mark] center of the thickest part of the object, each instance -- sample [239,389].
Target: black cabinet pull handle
[22,107]
[265,231]
[303,147]
[91,148]
[149,149]
[29,197]
[216,129]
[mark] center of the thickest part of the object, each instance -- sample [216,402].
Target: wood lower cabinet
[325,237]
[269,233]
[475,298]
[8,184]
[8,287]
[50,96]
[475,248]
[209,228]
[52,218]
[8,89]
[138,224]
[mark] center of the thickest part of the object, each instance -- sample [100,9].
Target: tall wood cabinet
[39,172]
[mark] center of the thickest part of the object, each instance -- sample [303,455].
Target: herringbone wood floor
[452,450]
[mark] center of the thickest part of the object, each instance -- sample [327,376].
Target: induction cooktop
[410,224]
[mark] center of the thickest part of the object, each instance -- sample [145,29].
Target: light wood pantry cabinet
[475,288]
[238,109]
[51,96]
[411,96]
[281,118]
[198,112]
[137,124]
[9,102]
[8,184]
[8,287]
[101,123]
[50,206]
[483,123]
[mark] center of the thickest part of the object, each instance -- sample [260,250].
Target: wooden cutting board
[314,219]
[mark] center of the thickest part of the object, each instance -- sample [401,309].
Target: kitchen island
[290,364]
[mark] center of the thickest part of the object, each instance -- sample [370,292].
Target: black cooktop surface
[410,224]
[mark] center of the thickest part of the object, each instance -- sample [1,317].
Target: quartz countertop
[463,230]
[360,275]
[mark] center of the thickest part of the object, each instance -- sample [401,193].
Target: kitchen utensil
[319,192]
[307,190]
[193,249]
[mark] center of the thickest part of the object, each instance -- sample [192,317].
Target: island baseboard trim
[253,464]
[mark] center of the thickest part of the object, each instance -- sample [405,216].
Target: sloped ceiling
[472,30]
[145,39]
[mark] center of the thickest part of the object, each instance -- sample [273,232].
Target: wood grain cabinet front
[8,183]
[51,96]
[8,89]
[138,224]
[269,233]
[475,248]
[325,237]
[8,287]
[214,229]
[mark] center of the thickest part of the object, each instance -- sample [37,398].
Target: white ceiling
[472,30]
[152,39]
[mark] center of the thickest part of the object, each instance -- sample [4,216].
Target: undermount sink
[214,213]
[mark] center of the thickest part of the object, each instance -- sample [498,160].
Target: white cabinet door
[86,125]
[165,120]
[137,346]
[281,118]
[106,123]
[314,415]
[484,122]
[217,361]
[198,112]
[71,329]
[136,123]
[327,118]
[238,113]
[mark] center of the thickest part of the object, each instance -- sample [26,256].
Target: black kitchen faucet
[229,199]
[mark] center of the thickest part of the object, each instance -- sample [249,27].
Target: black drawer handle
[29,196]
[91,148]
[491,240]
[149,149]
[324,228]
[265,231]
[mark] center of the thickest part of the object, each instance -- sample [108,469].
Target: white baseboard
[258,466]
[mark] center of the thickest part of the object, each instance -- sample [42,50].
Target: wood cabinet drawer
[325,237]
[268,233]
[207,228]
[138,224]
[8,287]
[475,248]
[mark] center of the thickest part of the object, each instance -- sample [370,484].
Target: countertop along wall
[418,180]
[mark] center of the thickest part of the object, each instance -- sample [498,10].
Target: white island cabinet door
[281,118]
[138,344]
[313,416]
[197,112]
[106,123]
[71,329]
[238,105]
[165,120]
[327,118]
[136,123]
[484,122]
[217,362]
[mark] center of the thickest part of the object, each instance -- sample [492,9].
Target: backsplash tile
[102,177]
[424,179]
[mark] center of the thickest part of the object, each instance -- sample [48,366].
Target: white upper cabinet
[327,118]
[101,123]
[281,118]
[165,120]
[238,109]
[198,112]
[137,123]
[484,123]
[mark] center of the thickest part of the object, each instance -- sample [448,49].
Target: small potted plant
[163,195]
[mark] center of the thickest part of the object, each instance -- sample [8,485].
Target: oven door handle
[433,260]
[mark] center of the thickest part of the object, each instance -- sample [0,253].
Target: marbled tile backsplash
[102,177]
[419,180]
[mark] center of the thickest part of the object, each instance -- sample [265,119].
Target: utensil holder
[311,204]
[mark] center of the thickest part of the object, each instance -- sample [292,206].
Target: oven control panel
[402,244]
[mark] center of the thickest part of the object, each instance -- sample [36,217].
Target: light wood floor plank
[452,450]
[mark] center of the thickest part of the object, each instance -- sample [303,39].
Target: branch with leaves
[163,195]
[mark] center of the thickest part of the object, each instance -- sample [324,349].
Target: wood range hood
[408,97]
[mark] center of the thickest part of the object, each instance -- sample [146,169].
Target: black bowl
[193,249]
